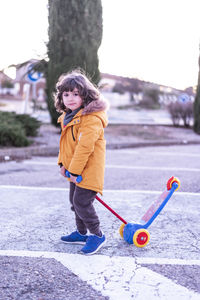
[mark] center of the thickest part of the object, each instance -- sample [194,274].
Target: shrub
[7,116]
[14,129]
[181,111]
[150,99]
[30,124]
[13,135]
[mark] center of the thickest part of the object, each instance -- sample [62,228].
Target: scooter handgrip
[67,173]
[78,179]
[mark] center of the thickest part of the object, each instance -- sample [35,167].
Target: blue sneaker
[75,238]
[93,244]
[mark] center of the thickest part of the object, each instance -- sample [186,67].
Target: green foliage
[11,135]
[75,33]
[14,129]
[30,124]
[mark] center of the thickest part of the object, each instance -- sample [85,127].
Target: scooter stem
[110,209]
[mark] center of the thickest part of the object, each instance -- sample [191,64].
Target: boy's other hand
[73,178]
[62,171]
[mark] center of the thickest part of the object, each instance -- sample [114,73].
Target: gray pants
[82,204]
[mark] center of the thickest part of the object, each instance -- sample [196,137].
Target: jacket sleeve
[89,132]
[59,159]
[60,119]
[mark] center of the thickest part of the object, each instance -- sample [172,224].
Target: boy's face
[72,100]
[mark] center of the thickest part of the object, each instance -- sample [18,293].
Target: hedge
[15,129]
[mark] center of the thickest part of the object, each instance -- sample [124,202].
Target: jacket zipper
[72,133]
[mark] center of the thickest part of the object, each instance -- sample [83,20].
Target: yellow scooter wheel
[141,238]
[121,230]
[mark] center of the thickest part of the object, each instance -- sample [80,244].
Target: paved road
[34,213]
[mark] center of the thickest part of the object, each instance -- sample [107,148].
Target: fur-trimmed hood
[95,106]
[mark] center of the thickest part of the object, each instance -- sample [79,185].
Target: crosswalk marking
[119,277]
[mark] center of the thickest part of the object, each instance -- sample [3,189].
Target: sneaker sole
[76,243]
[95,250]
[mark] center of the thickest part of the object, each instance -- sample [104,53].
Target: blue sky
[154,40]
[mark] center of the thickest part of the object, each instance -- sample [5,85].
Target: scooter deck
[156,207]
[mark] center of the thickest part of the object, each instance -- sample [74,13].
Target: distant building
[123,84]
[37,88]
[6,85]
[136,88]
[122,88]
[22,84]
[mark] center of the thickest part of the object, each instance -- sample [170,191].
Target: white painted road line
[152,168]
[157,153]
[42,163]
[118,277]
[177,154]
[144,152]
[35,188]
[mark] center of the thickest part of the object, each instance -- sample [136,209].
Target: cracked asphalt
[40,279]
[34,213]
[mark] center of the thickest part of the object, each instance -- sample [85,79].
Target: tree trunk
[75,34]
[196,126]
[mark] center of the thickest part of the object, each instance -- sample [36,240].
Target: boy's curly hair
[75,79]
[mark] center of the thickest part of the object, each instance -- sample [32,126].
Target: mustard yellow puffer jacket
[82,145]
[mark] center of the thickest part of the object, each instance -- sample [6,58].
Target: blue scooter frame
[136,233]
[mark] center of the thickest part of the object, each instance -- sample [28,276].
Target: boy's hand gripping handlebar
[78,179]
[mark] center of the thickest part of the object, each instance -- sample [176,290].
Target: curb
[26,153]
[10,154]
